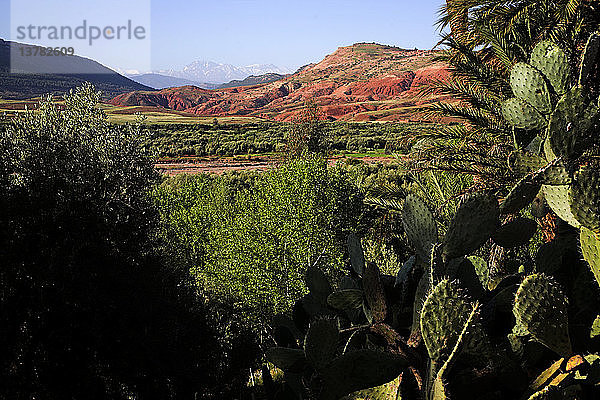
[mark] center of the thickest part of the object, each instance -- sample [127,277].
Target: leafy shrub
[253,240]
[88,308]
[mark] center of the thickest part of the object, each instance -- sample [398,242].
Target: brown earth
[362,82]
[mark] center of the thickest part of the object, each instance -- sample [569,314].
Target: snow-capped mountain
[212,72]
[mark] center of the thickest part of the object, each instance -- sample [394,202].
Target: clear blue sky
[285,33]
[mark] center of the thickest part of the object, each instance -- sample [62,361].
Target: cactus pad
[595,331]
[420,296]
[557,198]
[443,317]
[346,299]
[357,255]
[590,248]
[475,221]
[584,198]
[285,358]
[570,124]
[521,115]
[520,196]
[552,61]
[526,163]
[591,57]
[528,84]
[419,225]
[358,370]
[321,342]
[541,308]
[318,284]
[515,233]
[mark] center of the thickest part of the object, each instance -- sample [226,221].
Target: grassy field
[123,115]
[179,135]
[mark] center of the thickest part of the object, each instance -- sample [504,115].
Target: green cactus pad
[595,331]
[481,269]
[521,115]
[475,221]
[570,123]
[374,293]
[421,294]
[443,317]
[549,257]
[552,61]
[419,225]
[541,307]
[584,198]
[346,299]
[318,284]
[285,358]
[515,233]
[526,163]
[321,342]
[548,152]
[591,57]
[357,255]
[529,85]
[557,197]
[520,196]
[463,271]
[404,272]
[590,248]
[358,370]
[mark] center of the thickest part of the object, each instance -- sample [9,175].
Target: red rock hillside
[359,82]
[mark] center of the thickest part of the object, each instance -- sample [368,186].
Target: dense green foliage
[88,306]
[172,140]
[252,239]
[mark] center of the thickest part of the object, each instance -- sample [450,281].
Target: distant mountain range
[158,81]
[362,82]
[212,72]
[32,81]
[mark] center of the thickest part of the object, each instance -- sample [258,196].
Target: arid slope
[360,82]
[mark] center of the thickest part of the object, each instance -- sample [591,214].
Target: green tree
[88,309]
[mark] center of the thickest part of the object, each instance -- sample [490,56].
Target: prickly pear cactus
[533,102]
[528,84]
[346,299]
[541,308]
[520,196]
[590,248]
[584,198]
[515,233]
[557,198]
[548,58]
[444,315]
[419,225]
[522,115]
[357,255]
[475,221]
[589,60]
[320,343]
[357,370]
[570,124]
